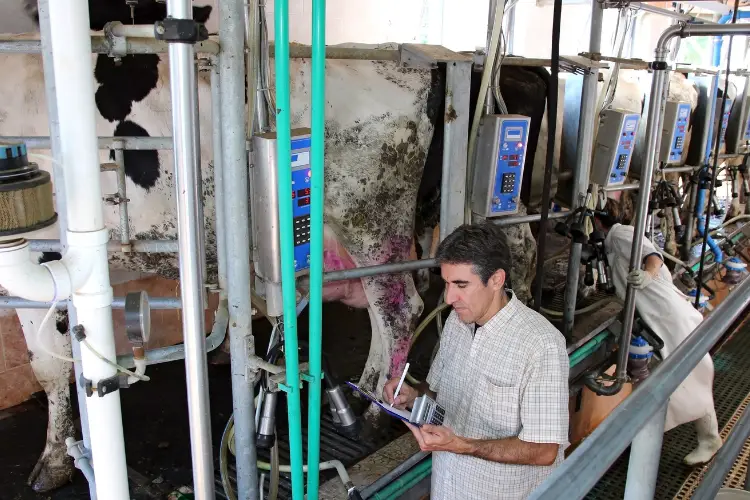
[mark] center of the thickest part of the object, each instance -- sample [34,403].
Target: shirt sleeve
[622,239]
[544,401]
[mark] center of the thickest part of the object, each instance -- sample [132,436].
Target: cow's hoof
[703,453]
[47,477]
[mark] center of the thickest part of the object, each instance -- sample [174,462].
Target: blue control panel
[725,120]
[301,202]
[614,147]
[678,137]
[513,138]
[746,136]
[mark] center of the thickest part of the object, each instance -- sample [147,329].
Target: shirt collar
[503,314]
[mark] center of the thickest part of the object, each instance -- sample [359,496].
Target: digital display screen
[303,192]
[513,133]
[302,202]
[630,125]
[683,113]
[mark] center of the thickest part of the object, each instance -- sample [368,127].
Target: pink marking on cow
[336,258]
[398,357]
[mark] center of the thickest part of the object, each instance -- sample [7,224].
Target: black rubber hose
[551,132]
[715,169]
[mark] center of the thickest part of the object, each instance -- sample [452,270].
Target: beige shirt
[508,379]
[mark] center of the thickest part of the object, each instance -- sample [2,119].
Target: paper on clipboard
[394,412]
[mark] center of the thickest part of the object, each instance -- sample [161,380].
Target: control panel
[265,204]
[498,172]
[614,147]
[676,119]
[724,119]
[738,129]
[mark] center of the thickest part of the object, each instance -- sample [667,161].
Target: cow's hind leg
[395,308]
[54,467]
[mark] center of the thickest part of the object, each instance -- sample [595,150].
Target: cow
[380,119]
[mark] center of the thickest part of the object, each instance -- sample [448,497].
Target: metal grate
[736,477]
[731,389]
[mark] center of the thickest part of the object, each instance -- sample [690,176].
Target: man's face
[471,299]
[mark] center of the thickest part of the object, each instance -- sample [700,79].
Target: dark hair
[483,245]
[611,214]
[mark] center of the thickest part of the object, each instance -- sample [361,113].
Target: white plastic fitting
[22,277]
[55,280]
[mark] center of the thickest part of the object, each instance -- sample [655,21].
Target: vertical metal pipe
[489,101]
[122,195]
[198,186]
[286,234]
[234,162]
[60,205]
[584,147]
[182,85]
[689,222]
[509,32]
[645,451]
[219,187]
[317,149]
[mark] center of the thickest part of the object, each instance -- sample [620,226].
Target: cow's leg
[55,467]
[709,440]
[395,308]
[423,275]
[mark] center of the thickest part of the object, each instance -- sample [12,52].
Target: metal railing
[591,460]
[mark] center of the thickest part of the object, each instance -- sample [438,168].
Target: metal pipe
[216,148]
[653,132]
[140,246]
[581,174]
[42,142]
[643,465]
[100,45]
[286,236]
[724,459]
[317,153]
[662,12]
[585,142]
[122,204]
[297,51]
[523,219]
[235,163]
[117,303]
[182,83]
[118,29]
[198,184]
[590,461]
[489,100]
[689,223]
[393,474]
[59,185]
[622,187]
[674,170]
[363,272]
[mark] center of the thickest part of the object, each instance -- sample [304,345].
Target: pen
[400,382]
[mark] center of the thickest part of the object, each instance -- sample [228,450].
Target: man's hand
[439,438]
[406,395]
[639,279]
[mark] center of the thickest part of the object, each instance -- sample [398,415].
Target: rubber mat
[333,446]
[731,387]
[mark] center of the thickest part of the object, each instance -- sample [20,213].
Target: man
[670,314]
[501,373]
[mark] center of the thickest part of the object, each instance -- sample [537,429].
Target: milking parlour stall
[220,221]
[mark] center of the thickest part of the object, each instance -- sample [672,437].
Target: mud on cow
[379,126]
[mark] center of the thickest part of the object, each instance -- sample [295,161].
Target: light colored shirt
[508,379]
[671,315]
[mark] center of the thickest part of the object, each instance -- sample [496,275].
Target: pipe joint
[20,276]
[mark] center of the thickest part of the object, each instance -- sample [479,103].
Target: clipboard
[394,412]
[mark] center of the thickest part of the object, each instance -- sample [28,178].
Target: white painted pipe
[71,48]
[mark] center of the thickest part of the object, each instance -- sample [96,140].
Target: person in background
[501,374]
[671,315]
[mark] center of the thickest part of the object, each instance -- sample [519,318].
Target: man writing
[501,373]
